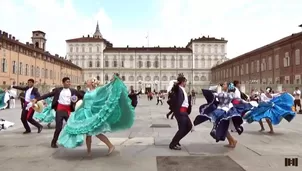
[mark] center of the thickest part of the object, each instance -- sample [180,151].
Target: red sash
[66,108]
[183,109]
[30,111]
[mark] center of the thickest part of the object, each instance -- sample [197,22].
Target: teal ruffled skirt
[47,115]
[106,109]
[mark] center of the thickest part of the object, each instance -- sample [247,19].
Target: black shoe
[54,145]
[40,129]
[167,116]
[178,144]
[174,147]
[26,132]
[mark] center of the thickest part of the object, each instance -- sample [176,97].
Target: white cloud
[59,21]
[246,24]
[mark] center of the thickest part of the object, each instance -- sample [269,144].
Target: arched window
[98,78]
[106,77]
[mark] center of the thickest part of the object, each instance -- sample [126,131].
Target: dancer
[224,111]
[63,103]
[27,113]
[170,94]
[159,98]
[133,96]
[181,107]
[297,102]
[48,114]
[104,109]
[272,108]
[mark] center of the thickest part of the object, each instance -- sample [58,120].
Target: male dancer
[31,92]
[181,107]
[64,99]
[133,96]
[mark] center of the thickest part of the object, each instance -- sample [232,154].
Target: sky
[246,24]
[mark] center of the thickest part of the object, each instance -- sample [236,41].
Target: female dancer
[272,107]
[225,113]
[3,103]
[47,115]
[104,109]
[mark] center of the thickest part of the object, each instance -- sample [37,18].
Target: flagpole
[147,39]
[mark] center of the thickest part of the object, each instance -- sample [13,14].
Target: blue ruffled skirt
[275,110]
[220,118]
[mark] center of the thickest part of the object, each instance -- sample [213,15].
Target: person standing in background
[297,101]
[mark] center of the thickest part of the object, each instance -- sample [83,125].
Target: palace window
[106,64]
[148,64]
[98,49]
[277,61]
[70,49]
[20,68]
[140,64]
[90,49]
[26,69]
[90,64]
[37,72]
[257,66]
[180,62]
[32,70]
[114,63]
[270,63]
[83,49]
[4,65]
[164,61]
[196,62]
[123,78]
[297,57]
[77,49]
[98,64]
[46,73]
[106,77]
[14,67]
[247,68]
[286,60]
[173,62]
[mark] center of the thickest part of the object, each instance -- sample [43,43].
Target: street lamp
[156,84]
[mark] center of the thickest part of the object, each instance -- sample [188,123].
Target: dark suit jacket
[35,92]
[177,98]
[133,97]
[56,93]
[81,94]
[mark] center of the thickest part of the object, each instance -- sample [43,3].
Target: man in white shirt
[181,107]
[297,101]
[64,100]
[31,93]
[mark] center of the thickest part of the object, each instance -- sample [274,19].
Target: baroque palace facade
[275,64]
[147,68]
[20,62]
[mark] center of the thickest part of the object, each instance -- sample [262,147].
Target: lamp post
[156,85]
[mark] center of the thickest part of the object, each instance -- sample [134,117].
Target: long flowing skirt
[111,111]
[222,120]
[275,110]
[48,115]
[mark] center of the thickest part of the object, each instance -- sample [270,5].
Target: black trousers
[60,116]
[184,127]
[24,120]
[161,101]
[170,113]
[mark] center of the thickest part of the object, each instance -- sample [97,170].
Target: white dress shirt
[186,101]
[27,94]
[297,94]
[65,97]
[264,98]
[237,93]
